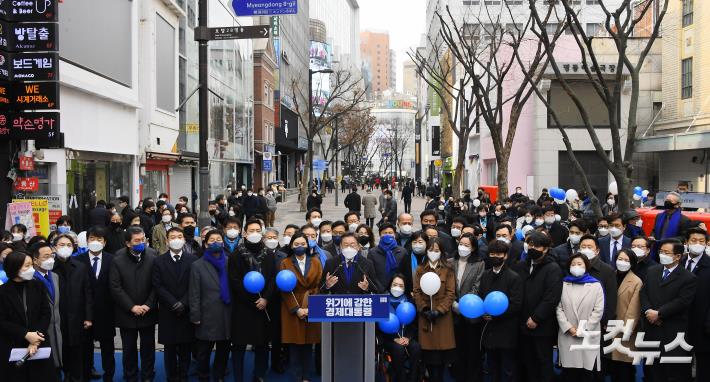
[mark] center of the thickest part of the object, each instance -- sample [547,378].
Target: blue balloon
[390,325]
[286,280]
[557,193]
[496,303]
[471,306]
[406,312]
[254,282]
[638,190]
[3,277]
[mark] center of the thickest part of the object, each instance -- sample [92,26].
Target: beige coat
[369,201]
[580,302]
[628,307]
[159,240]
[440,334]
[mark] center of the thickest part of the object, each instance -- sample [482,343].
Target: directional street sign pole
[203,35]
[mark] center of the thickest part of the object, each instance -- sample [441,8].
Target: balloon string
[295,299]
[267,313]
[431,323]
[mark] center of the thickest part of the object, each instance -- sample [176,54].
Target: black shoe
[95,374]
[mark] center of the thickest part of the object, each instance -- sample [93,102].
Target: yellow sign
[40,214]
[192,128]
[437,163]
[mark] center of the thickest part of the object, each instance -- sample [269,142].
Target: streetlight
[311,113]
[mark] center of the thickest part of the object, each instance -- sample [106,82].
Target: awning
[672,142]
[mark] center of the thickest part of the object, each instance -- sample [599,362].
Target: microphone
[332,274]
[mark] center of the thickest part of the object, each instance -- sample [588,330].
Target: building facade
[264,112]
[375,48]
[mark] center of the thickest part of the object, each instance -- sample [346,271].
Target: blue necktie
[666,272]
[95,266]
[615,252]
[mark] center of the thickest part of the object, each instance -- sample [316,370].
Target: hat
[148,204]
[630,215]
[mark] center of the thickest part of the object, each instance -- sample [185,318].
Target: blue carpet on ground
[248,365]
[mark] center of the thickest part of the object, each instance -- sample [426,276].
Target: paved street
[289,212]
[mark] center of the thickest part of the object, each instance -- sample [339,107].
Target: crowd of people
[569,279]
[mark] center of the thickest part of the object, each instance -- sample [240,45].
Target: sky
[403,19]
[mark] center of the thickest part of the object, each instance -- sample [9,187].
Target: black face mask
[115,225]
[363,240]
[189,231]
[669,205]
[497,261]
[535,254]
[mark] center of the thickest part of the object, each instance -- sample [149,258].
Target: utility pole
[203,39]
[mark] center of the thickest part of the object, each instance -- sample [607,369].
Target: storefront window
[154,183]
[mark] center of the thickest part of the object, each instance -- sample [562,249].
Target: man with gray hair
[671,223]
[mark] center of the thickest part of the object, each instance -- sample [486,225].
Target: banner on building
[54,202]
[20,213]
[40,215]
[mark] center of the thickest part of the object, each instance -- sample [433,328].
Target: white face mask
[577,271]
[254,237]
[433,256]
[418,248]
[441,207]
[405,229]
[326,237]
[27,274]
[166,218]
[610,202]
[603,231]
[498,213]
[549,219]
[574,239]
[504,239]
[696,249]
[232,213]
[285,241]
[640,253]
[639,223]
[464,251]
[588,252]
[47,265]
[349,253]
[528,219]
[352,227]
[615,232]
[396,291]
[232,233]
[17,236]
[95,246]
[65,252]
[558,218]
[665,259]
[623,266]
[176,244]
[539,222]
[455,232]
[316,222]
[525,247]
[271,243]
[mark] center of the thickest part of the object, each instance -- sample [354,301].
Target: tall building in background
[375,49]
[341,19]
[393,70]
[409,77]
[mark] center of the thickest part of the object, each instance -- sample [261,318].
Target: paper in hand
[18,353]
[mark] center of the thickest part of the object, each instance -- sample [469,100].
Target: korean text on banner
[40,215]
[21,213]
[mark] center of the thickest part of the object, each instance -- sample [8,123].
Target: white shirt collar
[670,269]
[100,256]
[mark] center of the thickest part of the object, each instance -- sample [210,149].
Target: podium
[348,334]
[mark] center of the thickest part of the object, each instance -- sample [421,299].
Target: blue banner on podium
[348,308]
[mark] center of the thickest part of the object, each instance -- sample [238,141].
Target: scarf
[219,263]
[415,263]
[48,282]
[321,254]
[673,224]
[395,301]
[584,279]
[388,244]
[349,270]
[231,244]
[634,230]
[254,255]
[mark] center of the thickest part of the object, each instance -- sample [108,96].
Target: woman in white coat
[582,300]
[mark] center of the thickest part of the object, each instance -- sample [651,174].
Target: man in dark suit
[131,281]
[171,278]
[504,233]
[99,215]
[671,223]
[615,241]
[103,328]
[349,273]
[76,311]
[562,252]
[429,218]
[353,201]
[666,298]
[698,333]
[558,233]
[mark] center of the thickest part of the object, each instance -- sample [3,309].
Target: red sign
[27,125]
[27,163]
[27,184]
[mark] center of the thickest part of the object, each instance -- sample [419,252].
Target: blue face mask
[387,240]
[337,239]
[216,246]
[300,251]
[139,247]
[62,229]
[312,243]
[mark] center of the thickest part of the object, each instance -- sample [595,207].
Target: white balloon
[644,193]
[571,195]
[430,283]
[613,188]
[559,201]
[81,239]
[636,197]
[476,202]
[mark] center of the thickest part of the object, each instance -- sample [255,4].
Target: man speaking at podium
[349,273]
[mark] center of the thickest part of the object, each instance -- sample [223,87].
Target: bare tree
[355,133]
[607,79]
[345,95]
[397,137]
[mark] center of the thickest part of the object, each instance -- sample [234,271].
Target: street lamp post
[204,217]
[312,114]
[337,151]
